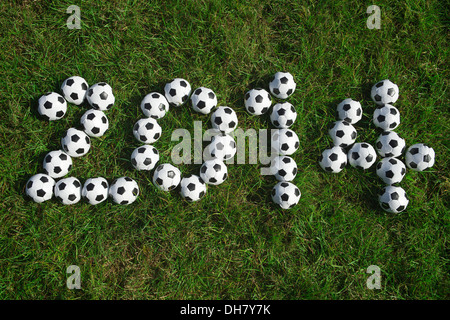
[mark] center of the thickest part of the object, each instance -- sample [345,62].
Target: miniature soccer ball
[284,168]
[95,190]
[349,110]
[222,147]
[342,133]
[40,187]
[384,92]
[68,190]
[419,157]
[124,190]
[145,157]
[257,101]
[203,100]
[389,144]
[177,92]
[333,159]
[52,106]
[386,117]
[283,115]
[284,141]
[74,89]
[57,164]
[166,177]
[154,105]
[75,143]
[147,130]
[393,199]
[224,119]
[193,188]
[213,171]
[286,194]
[94,122]
[391,170]
[100,96]
[361,155]
[282,85]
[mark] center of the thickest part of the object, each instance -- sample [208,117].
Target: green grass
[235,243]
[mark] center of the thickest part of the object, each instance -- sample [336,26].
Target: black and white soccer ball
[284,141]
[154,105]
[361,155]
[203,100]
[74,89]
[222,147]
[177,92]
[94,122]
[145,157]
[286,194]
[57,164]
[123,190]
[393,199]
[333,159]
[391,170]
[419,157]
[349,110]
[100,96]
[390,144]
[257,101]
[52,106]
[342,133]
[214,171]
[166,177]
[283,115]
[282,85]
[386,117]
[193,188]
[68,190]
[384,92]
[95,190]
[224,119]
[284,168]
[75,143]
[40,187]
[147,130]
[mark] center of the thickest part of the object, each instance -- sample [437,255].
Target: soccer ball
[177,91]
[203,100]
[386,117]
[213,171]
[52,106]
[389,144]
[100,96]
[94,122]
[257,101]
[391,170]
[124,190]
[283,115]
[222,147]
[284,168]
[193,188]
[224,119]
[284,141]
[419,157]
[74,89]
[57,164]
[286,194]
[95,190]
[166,177]
[147,130]
[349,110]
[333,159]
[154,105]
[75,142]
[393,199]
[361,155]
[282,85]
[145,157]
[40,187]
[68,190]
[384,92]
[342,133]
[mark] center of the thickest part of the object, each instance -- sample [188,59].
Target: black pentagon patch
[99,197]
[259,98]
[377,97]
[289,92]
[392,111]
[147,161]
[90,116]
[340,133]
[75,138]
[284,147]
[427,158]
[159,181]
[198,91]
[124,202]
[173,92]
[171,174]
[393,143]
[211,95]
[57,169]
[191,186]
[90,187]
[79,151]
[61,100]
[379,84]
[333,157]
[284,80]
[155,95]
[40,193]
[218,120]
[120,190]
[281,112]
[389,174]
[95,130]
[391,92]
[72,197]
[84,86]
[393,125]
[70,82]
[149,125]
[392,161]
[183,84]
[394,196]
[276,91]
[62,186]
[381,118]
[414,151]
[29,184]
[346,107]
[355,155]
[59,114]
[385,205]
[401,208]
[284,197]
[74,96]
[48,105]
